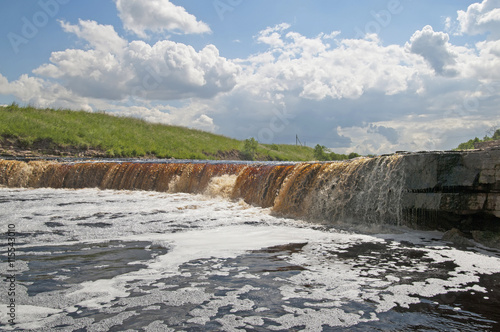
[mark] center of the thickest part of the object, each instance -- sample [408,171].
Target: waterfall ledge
[427,190]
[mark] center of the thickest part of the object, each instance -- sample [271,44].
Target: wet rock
[443,188]
[489,239]
[456,237]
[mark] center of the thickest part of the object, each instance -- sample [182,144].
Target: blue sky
[364,76]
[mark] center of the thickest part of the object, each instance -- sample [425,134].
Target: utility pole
[297,140]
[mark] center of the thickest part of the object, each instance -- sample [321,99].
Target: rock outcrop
[446,190]
[487,145]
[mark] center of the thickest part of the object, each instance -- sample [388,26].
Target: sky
[370,77]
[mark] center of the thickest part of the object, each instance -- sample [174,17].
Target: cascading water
[366,190]
[430,191]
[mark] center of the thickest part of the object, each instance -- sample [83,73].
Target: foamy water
[144,261]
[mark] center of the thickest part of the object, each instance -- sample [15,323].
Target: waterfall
[363,189]
[418,190]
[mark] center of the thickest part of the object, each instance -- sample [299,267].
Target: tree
[496,135]
[319,152]
[353,155]
[470,143]
[250,148]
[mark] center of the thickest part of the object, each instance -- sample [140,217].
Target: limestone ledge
[456,189]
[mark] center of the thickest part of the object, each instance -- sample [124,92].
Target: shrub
[275,147]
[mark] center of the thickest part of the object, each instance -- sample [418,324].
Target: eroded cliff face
[429,190]
[445,190]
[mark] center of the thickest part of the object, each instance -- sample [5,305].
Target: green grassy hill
[66,132]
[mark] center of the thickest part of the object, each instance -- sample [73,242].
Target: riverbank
[33,132]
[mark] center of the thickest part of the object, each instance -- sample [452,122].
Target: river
[117,260]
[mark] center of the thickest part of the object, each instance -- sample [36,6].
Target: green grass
[127,137]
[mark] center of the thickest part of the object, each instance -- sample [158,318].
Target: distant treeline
[470,143]
[321,153]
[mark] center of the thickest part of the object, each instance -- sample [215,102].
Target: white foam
[27,316]
[225,242]
[101,291]
[206,233]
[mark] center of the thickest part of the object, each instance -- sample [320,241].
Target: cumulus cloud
[158,16]
[481,18]
[358,94]
[42,93]
[88,73]
[482,61]
[204,122]
[311,86]
[448,113]
[100,37]
[435,48]
[113,68]
[389,133]
[272,35]
[315,70]
[169,70]
[191,115]
[487,65]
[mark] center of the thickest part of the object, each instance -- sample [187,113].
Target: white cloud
[316,70]
[169,70]
[362,95]
[487,65]
[42,93]
[330,35]
[415,133]
[481,18]
[191,115]
[204,122]
[128,77]
[163,71]
[272,35]
[89,73]
[448,24]
[100,37]
[158,16]
[435,48]
[363,140]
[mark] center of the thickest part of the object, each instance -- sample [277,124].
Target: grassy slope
[126,137]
